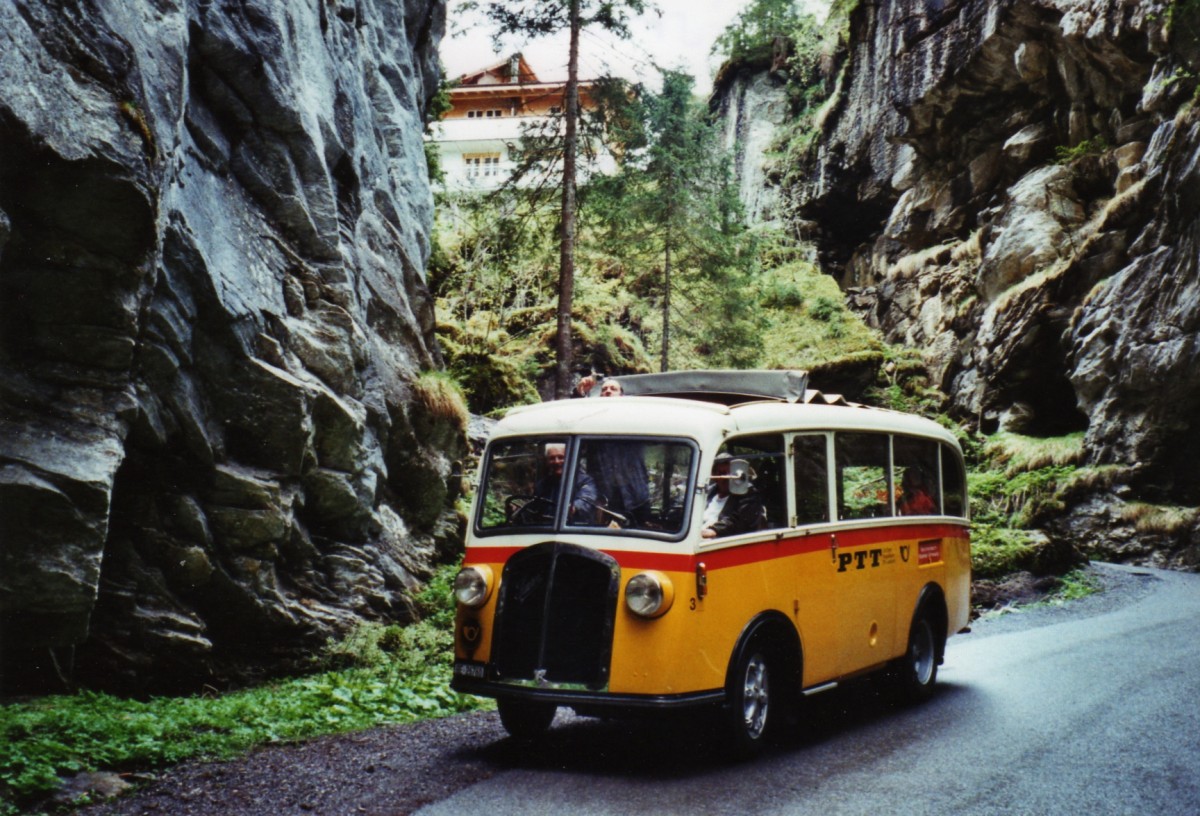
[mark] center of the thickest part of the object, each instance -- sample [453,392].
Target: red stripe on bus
[664,562]
[818,542]
[489,555]
[745,554]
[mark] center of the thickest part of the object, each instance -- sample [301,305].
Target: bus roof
[708,421]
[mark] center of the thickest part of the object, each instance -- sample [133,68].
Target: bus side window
[864,484]
[954,489]
[812,479]
[915,475]
[773,485]
[766,457]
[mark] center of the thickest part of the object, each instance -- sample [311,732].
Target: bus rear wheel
[525,719]
[752,710]
[917,670]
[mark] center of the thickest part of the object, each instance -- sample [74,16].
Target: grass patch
[1014,498]
[1013,480]
[383,674]
[806,323]
[910,265]
[1161,519]
[1019,453]
[442,398]
[998,550]
[1094,477]
[1075,585]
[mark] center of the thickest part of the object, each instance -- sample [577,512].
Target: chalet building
[488,110]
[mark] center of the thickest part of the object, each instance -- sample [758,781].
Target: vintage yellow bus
[729,540]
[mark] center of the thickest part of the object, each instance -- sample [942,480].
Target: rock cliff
[1011,186]
[751,105]
[216,445]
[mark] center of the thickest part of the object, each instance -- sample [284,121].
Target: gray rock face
[214,221]
[1010,185]
[751,106]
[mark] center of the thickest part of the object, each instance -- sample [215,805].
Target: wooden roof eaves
[513,89]
[525,73]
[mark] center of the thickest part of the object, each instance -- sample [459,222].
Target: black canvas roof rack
[727,387]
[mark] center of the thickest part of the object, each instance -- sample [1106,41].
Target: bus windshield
[637,485]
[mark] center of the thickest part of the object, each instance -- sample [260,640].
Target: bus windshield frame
[620,485]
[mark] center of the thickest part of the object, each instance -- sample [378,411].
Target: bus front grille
[554,617]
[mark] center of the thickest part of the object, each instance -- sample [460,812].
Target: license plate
[469,670]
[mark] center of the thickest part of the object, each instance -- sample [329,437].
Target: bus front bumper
[468,679]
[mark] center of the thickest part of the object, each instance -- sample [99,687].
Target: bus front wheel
[752,709]
[525,719]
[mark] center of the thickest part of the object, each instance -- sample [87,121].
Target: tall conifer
[673,204]
[532,18]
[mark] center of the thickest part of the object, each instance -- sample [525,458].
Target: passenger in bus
[729,514]
[583,502]
[914,494]
[620,473]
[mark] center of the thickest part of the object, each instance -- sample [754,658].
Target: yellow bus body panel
[851,605]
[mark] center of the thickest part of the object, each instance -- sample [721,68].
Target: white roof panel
[705,421]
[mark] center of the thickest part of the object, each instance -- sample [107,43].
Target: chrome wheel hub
[756,697]
[922,653]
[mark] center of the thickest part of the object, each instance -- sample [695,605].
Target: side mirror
[739,477]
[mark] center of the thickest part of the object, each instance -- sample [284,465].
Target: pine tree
[531,18]
[674,201]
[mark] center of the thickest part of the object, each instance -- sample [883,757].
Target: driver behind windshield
[547,487]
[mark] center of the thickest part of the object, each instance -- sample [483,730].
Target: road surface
[1091,709]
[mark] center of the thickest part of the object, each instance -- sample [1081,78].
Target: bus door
[862,564]
[817,605]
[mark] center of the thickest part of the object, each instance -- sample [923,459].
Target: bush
[781,294]
[826,309]
[997,550]
[751,37]
[1088,147]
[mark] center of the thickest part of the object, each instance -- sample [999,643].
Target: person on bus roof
[608,386]
[729,514]
[618,467]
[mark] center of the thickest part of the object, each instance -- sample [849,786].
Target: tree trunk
[566,267]
[664,364]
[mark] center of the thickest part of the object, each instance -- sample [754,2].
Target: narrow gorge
[225,436]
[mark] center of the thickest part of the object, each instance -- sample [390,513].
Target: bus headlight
[473,585]
[649,594]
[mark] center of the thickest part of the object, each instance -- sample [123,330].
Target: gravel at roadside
[385,771]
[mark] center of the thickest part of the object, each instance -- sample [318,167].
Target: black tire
[916,672]
[525,719]
[753,709]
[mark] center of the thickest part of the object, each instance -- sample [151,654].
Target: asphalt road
[1087,709]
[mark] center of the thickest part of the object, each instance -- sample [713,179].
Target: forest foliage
[668,274]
